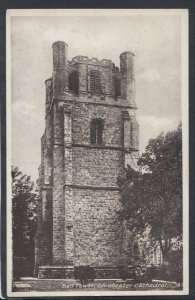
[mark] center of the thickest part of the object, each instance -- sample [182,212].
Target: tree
[153,198]
[24,203]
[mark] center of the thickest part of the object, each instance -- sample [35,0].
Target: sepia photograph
[97,152]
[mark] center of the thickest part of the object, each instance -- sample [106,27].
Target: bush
[20,269]
[176,265]
[143,273]
[173,271]
[84,274]
[123,272]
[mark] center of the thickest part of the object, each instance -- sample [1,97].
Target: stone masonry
[78,222]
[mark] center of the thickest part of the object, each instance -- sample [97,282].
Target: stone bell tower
[91,135]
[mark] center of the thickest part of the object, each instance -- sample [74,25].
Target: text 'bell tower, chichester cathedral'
[91,135]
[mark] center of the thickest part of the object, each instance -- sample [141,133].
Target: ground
[98,285]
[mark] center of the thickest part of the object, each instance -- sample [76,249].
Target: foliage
[84,274]
[153,199]
[135,258]
[24,203]
[176,263]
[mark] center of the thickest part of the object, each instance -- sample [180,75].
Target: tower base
[55,272]
[67,272]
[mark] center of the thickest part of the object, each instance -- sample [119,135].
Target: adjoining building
[91,134]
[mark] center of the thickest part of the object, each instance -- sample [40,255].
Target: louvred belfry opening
[95,82]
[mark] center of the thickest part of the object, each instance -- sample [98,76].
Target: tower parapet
[128,80]
[60,77]
[59,55]
[93,60]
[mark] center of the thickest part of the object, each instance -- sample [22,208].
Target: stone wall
[112,123]
[96,167]
[97,230]
[58,187]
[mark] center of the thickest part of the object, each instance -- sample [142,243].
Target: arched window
[96,131]
[116,87]
[74,82]
[95,81]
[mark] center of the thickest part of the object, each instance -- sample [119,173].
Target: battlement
[84,75]
[127,52]
[93,61]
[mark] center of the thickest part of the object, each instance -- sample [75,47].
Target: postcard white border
[185,142]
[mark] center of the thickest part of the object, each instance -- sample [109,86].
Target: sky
[155,40]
